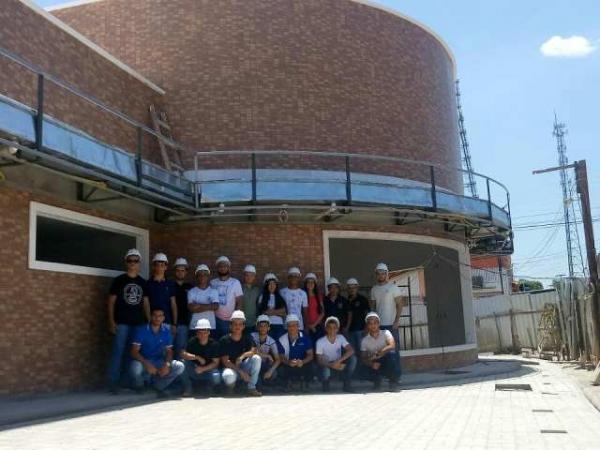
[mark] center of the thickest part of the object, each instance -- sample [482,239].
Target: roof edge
[415,22]
[88,43]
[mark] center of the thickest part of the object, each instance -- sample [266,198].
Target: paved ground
[465,414]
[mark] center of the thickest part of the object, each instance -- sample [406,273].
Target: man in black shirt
[183,313]
[336,305]
[128,308]
[359,307]
[238,356]
[201,359]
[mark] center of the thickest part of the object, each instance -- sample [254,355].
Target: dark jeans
[304,373]
[390,368]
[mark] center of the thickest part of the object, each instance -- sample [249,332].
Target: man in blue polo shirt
[162,292]
[297,355]
[152,353]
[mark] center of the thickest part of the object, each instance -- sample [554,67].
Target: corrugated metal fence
[510,322]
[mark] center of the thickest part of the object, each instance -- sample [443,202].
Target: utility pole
[588,230]
[586,213]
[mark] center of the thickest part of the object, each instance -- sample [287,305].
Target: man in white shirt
[295,297]
[378,354]
[230,294]
[335,355]
[203,300]
[387,300]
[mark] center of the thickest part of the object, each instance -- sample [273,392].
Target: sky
[518,63]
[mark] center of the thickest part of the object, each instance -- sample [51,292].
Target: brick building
[318,133]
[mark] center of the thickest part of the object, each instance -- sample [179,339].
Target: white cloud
[567,47]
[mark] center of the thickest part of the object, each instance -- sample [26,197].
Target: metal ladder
[169,149]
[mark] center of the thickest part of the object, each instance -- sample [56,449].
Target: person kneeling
[266,349]
[152,353]
[297,354]
[334,353]
[201,359]
[238,356]
[378,354]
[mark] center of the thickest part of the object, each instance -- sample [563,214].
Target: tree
[530,285]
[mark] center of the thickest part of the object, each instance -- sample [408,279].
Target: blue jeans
[222,327]
[356,339]
[250,365]
[121,344]
[325,373]
[189,375]
[396,336]
[139,375]
[390,368]
[181,338]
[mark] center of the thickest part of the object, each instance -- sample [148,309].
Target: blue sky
[510,91]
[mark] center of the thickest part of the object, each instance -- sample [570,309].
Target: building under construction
[321,133]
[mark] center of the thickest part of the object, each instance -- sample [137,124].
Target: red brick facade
[270,74]
[39,42]
[280,74]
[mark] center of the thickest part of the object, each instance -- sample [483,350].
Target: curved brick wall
[276,74]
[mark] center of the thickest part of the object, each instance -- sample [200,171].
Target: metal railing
[349,160]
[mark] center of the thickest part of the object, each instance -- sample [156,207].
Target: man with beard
[230,294]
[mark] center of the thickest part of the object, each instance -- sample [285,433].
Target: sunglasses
[132,261]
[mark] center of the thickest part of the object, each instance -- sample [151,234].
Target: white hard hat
[381,267]
[332,280]
[133,252]
[250,268]
[270,276]
[202,268]
[332,319]
[310,276]
[294,271]
[372,315]
[181,262]
[352,281]
[291,318]
[238,315]
[160,257]
[202,324]
[263,318]
[222,259]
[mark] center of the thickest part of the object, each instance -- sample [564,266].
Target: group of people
[221,331]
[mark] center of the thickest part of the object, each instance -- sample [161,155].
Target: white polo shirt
[228,291]
[384,296]
[202,297]
[332,351]
[295,300]
[372,345]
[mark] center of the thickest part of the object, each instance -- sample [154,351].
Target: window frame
[66,215]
